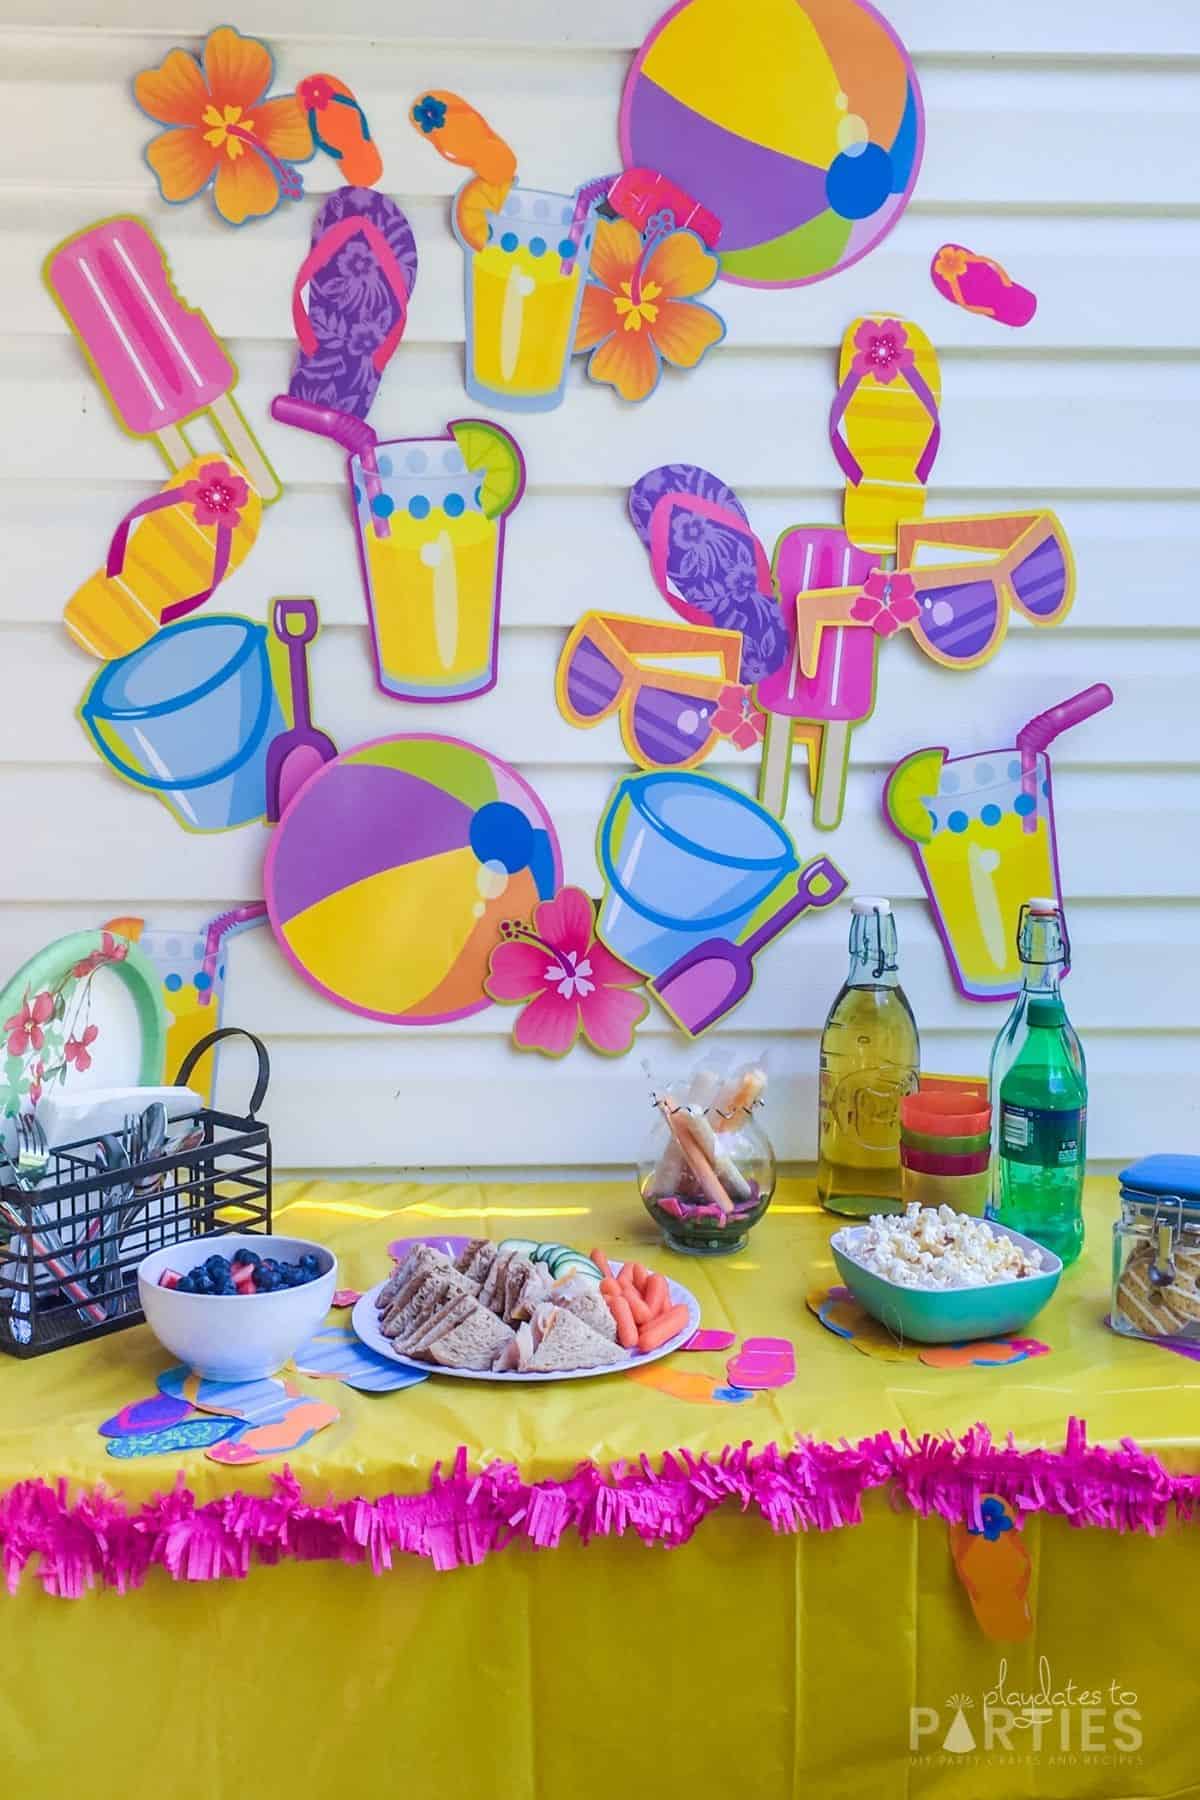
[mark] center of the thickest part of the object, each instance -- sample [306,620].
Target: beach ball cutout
[799,123]
[390,873]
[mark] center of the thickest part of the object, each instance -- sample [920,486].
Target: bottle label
[1035,1135]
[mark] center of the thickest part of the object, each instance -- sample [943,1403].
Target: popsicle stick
[244,446]
[174,447]
[775,770]
[831,775]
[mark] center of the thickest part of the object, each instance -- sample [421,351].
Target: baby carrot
[610,1288]
[601,1261]
[627,1331]
[659,1330]
[657,1294]
[637,1306]
[638,1276]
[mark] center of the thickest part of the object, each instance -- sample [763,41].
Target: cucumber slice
[574,1262]
[545,1253]
[518,1247]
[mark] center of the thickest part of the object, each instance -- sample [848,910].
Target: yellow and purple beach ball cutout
[797,122]
[391,871]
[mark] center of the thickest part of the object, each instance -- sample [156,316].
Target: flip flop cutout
[840,1313]
[192,1434]
[684,1384]
[345,1297]
[253,1402]
[359,274]
[979,285]
[336,1354]
[763,1362]
[155,1413]
[339,128]
[167,556]
[707,562]
[710,1340]
[885,427]
[278,1437]
[994,1567]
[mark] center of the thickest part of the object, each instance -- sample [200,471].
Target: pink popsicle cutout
[842,690]
[158,362]
[763,1362]
[983,287]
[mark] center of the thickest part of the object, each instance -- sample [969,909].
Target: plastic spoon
[296,754]
[708,982]
[1044,727]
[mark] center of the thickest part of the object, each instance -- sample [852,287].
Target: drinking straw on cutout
[1044,727]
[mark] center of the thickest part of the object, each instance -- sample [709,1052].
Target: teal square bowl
[948,1315]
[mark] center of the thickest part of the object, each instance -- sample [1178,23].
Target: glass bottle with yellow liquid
[870,1057]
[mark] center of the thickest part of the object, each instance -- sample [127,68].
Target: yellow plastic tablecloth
[740,1662]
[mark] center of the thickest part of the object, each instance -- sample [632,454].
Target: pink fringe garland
[95,1539]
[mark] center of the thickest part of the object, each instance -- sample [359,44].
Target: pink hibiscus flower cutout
[882,350]
[572,985]
[737,718]
[25,1028]
[78,1050]
[110,951]
[217,495]
[887,603]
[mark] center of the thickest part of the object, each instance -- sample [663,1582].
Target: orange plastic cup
[945,1115]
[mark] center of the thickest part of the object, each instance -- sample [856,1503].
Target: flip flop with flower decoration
[339,128]
[979,285]
[223,132]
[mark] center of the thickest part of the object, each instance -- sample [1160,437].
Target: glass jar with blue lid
[1156,1249]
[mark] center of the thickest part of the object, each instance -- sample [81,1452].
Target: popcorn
[939,1248]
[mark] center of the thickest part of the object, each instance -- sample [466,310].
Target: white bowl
[235,1337]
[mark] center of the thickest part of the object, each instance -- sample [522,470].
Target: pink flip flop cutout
[763,1362]
[979,285]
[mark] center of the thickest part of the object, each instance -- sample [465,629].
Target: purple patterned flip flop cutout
[351,298]
[707,562]
[157,1412]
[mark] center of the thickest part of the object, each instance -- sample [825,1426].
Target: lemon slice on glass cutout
[495,458]
[917,775]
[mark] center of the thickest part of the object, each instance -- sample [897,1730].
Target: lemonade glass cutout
[430,519]
[524,289]
[991,846]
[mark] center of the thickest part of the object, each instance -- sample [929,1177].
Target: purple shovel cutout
[708,981]
[296,754]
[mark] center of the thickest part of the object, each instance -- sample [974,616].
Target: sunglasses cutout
[957,609]
[666,714]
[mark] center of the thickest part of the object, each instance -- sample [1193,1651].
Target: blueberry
[201,1283]
[217,1266]
[309,1261]
[242,1257]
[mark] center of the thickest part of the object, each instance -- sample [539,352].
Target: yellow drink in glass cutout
[524,289]
[984,860]
[432,562]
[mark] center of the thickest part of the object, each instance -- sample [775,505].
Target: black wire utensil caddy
[77,1230]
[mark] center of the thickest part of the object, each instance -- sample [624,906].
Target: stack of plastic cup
[945,1141]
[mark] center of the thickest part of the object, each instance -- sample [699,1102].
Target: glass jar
[700,1219]
[1156,1250]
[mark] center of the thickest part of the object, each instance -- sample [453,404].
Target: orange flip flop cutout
[993,1353]
[463,137]
[339,128]
[680,1384]
[277,1438]
[994,1567]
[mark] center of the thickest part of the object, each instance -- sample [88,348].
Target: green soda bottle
[870,1058]
[1043,1133]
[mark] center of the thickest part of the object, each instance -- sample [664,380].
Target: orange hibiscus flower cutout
[639,307]
[224,130]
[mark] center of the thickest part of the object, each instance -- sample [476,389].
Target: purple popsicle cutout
[708,982]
